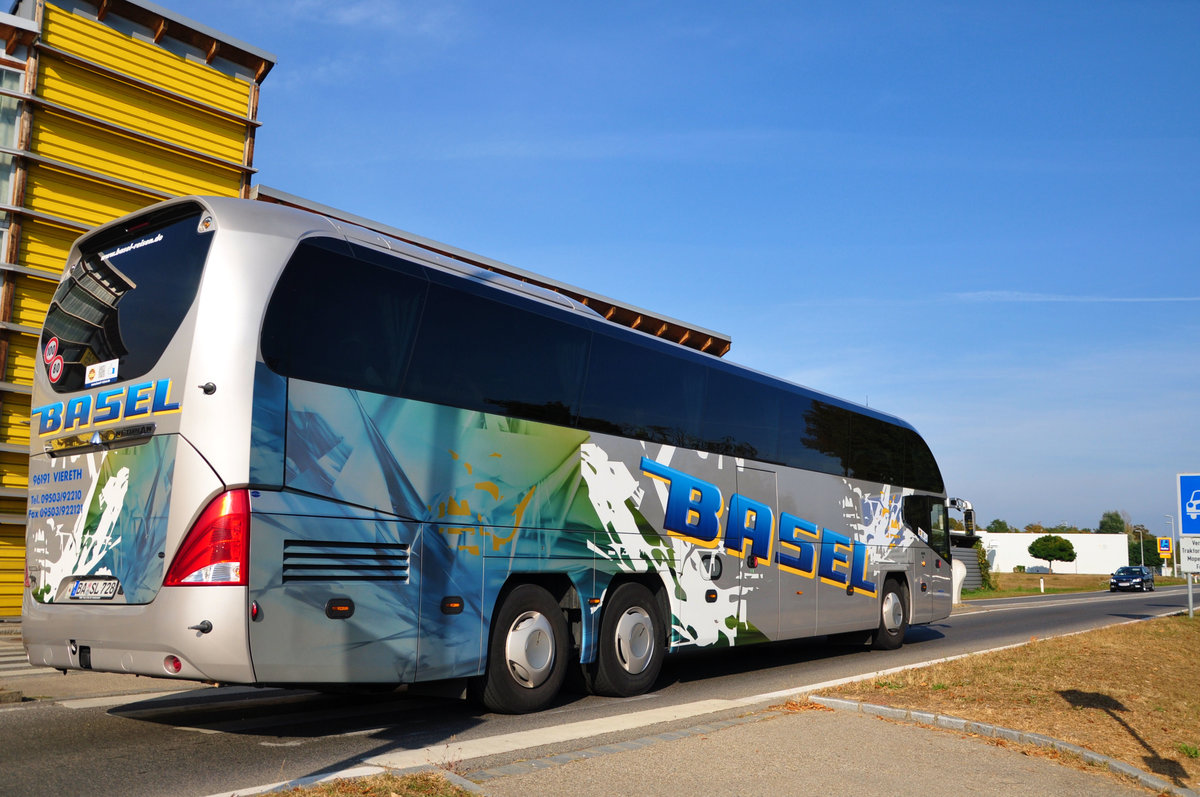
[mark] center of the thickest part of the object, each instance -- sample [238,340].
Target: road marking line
[353,772]
[1049,600]
[520,740]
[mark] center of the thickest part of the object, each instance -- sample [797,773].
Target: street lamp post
[1141,546]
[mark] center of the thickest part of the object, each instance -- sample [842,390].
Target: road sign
[1188,490]
[1164,546]
[1189,555]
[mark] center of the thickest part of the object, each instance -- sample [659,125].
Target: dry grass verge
[1131,692]
[422,784]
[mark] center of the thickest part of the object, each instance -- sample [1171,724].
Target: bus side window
[341,320]
[639,391]
[482,354]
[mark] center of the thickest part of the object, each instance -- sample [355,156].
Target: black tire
[893,616]
[632,644]
[527,653]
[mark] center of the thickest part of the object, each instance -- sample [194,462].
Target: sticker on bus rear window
[101,373]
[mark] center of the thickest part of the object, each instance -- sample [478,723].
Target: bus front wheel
[631,648]
[893,616]
[526,653]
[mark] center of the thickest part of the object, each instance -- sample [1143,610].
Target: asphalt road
[214,740]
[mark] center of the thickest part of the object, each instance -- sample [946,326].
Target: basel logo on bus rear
[135,400]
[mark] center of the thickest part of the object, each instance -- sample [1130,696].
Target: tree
[1052,548]
[998,526]
[1035,528]
[1143,547]
[1111,523]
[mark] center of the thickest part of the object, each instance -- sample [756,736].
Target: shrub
[985,570]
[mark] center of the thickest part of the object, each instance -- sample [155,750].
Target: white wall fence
[1094,553]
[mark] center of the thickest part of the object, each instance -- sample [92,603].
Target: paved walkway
[811,752]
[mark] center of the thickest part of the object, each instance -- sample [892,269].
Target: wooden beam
[707,343]
[637,322]
[687,333]
[160,30]
[11,42]
[612,308]
[102,11]
[661,330]
[212,51]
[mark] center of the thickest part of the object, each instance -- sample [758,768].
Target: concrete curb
[1020,737]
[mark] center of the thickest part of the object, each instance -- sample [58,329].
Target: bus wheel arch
[632,641]
[895,612]
[528,648]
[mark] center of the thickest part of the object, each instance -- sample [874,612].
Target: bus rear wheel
[893,616]
[632,644]
[526,653]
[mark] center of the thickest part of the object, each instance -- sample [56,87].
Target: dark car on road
[1132,577]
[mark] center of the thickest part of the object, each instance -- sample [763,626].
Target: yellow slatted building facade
[105,107]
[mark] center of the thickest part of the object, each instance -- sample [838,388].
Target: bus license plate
[92,589]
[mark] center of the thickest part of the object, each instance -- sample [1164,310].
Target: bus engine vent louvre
[334,560]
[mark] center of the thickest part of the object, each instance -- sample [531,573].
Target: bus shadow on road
[699,665]
[392,715]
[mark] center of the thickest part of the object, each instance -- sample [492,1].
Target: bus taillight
[215,550]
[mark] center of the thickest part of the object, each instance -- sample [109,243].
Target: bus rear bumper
[143,639]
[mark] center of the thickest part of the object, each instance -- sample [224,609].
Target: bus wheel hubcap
[893,612]
[529,649]
[635,640]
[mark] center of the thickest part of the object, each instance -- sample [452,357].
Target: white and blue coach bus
[269,451]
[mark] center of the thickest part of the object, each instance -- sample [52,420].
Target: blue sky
[981,217]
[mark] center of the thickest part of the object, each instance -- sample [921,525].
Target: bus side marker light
[711,596]
[339,608]
[255,612]
[452,604]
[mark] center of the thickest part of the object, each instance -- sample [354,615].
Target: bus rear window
[122,301]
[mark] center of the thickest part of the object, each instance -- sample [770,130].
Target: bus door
[925,517]
[797,548]
[753,522]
